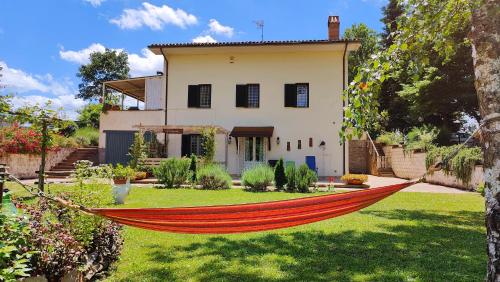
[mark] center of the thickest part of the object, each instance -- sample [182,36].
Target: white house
[268,100]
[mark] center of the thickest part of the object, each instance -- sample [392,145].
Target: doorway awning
[252,131]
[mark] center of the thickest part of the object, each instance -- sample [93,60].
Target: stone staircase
[66,167]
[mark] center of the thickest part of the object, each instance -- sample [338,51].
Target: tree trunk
[41,171]
[485,37]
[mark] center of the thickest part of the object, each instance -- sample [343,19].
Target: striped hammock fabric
[226,219]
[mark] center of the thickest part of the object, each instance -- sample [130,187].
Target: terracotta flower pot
[120,181]
[354,182]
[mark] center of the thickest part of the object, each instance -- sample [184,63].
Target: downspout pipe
[165,140]
[343,102]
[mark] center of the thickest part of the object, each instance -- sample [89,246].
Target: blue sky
[42,43]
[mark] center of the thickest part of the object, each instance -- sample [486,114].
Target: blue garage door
[117,146]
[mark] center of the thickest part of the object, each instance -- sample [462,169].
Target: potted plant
[121,174]
[354,179]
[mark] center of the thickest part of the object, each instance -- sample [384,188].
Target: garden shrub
[291,180]
[279,175]
[305,178]
[461,165]
[173,172]
[59,141]
[346,178]
[258,178]
[15,248]
[208,144]
[87,136]
[192,167]
[421,138]
[19,140]
[299,179]
[390,138]
[138,152]
[213,177]
[480,188]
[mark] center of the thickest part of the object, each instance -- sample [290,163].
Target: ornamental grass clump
[213,177]
[257,178]
[173,172]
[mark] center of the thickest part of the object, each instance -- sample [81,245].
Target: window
[192,144]
[247,95]
[299,144]
[200,96]
[297,95]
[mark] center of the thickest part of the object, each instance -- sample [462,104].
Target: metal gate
[117,146]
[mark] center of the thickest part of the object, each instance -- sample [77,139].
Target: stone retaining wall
[24,165]
[412,165]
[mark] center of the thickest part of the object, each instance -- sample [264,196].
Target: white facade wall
[321,121]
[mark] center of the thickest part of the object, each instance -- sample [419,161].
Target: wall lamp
[277,140]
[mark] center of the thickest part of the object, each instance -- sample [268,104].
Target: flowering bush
[18,140]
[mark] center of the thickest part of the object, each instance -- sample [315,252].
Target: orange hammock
[248,217]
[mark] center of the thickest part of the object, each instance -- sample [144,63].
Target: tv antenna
[260,25]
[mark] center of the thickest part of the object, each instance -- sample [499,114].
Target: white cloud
[145,63]
[204,39]
[95,3]
[81,56]
[26,87]
[219,29]
[154,17]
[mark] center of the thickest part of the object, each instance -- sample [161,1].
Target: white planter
[120,192]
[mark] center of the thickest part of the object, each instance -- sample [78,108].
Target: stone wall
[358,152]
[412,165]
[24,165]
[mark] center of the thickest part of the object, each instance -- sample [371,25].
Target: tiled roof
[250,43]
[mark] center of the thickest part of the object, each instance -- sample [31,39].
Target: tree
[138,152]
[192,168]
[106,66]
[369,45]
[279,175]
[485,36]
[89,115]
[433,24]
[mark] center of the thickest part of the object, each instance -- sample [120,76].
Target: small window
[200,96]
[192,144]
[310,142]
[247,95]
[288,146]
[299,144]
[297,95]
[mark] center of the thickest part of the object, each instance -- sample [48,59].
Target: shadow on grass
[433,247]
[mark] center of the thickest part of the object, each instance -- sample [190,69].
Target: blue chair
[311,163]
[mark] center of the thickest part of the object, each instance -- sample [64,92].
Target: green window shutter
[290,95]
[241,96]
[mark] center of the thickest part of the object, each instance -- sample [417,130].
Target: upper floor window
[200,96]
[248,95]
[297,95]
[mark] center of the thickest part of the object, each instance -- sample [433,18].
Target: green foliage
[305,177]
[279,175]
[421,138]
[123,172]
[461,165]
[89,115]
[299,179]
[480,188]
[213,177]
[258,178]
[369,45]
[173,172]
[106,66]
[138,152]
[426,37]
[60,141]
[87,136]
[15,248]
[192,167]
[390,138]
[208,135]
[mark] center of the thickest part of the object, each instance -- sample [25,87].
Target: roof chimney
[333,28]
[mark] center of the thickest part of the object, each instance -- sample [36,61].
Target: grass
[87,136]
[406,237]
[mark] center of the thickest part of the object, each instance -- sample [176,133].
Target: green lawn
[406,237]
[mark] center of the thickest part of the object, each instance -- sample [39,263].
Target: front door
[254,152]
